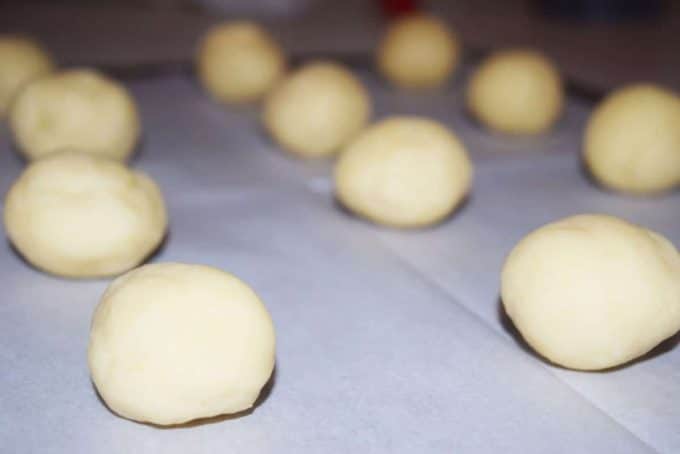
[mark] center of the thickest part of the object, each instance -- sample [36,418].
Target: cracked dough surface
[173,342]
[21,61]
[592,291]
[78,215]
[317,109]
[239,62]
[79,110]
[403,172]
[632,141]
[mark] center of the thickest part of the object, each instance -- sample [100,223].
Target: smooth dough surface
[79,215]
[418,51]
[239,62]
[21,61]
[403,172]
[516,92]
[173,342]
[632,141]
[79,110]
[592,292]
[317,109]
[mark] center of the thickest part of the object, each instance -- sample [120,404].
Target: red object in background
[399,7]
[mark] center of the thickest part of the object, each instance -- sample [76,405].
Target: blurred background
[599,44]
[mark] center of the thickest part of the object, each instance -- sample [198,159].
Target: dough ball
[403,172]
[317,109]
[592,292]
[79,215]
[516,92]
[172,342]
[418,51]
[78,110]
[239,62]
[21,60]
[632,141]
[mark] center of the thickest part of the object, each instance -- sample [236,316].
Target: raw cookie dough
[172,342]
[418,51]
[632,142]
[76,214]
[78,110]
[592,292]
[403,172]
[516,92]
[317,109]
[239,62]
[21,60]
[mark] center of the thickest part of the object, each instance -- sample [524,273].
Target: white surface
[388,341]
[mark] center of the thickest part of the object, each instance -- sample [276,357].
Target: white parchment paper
[388,341]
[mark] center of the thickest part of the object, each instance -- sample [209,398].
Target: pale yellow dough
[317,109]
[21,61]
[403,172]
[75,214]
[78,109]
[632,142]
[418,51]
[516,92]
[173,342]
[592,292]
[239,62]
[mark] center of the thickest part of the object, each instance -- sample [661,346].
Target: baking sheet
[388,341]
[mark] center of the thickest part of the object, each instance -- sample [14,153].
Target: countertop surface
[598,56]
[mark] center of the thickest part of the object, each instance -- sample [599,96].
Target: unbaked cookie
[317,109]
[239,62]
[21,61]
[403,172]
[79,110]
[632,142]
[418,51]
[516,92]
[172,342]
[79,215]
[592,292]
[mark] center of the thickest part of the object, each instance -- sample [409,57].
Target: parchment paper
[388,341]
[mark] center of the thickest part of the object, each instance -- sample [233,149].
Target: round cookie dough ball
[317,109]
[418,51]
[75,214]
[403,172]
[21,61]
[592,292]
[172,342]
[78,110]
[632,141]
[516,92]
[239,62]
